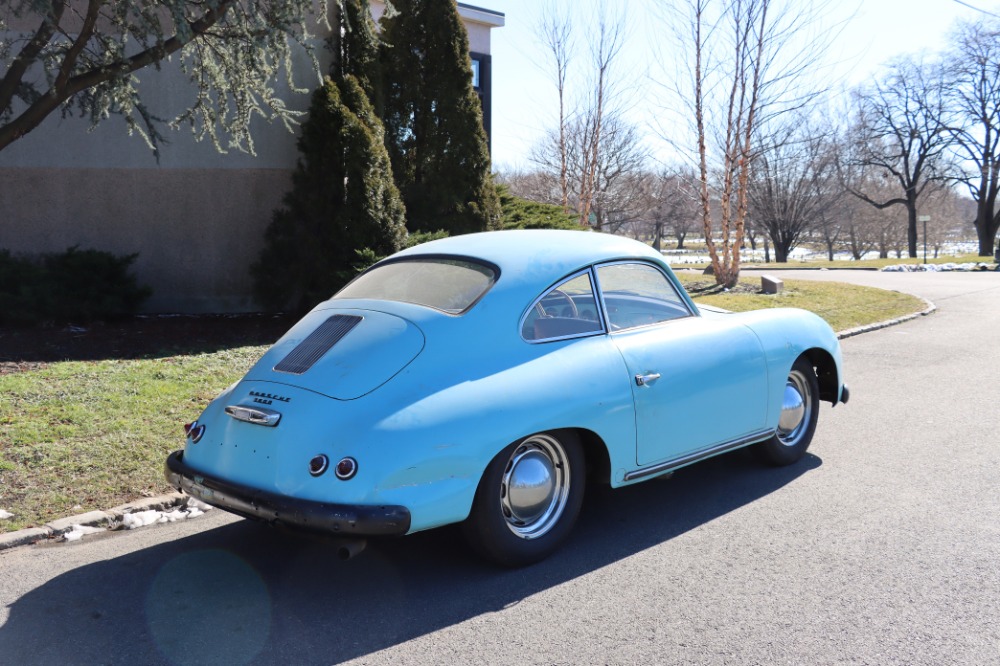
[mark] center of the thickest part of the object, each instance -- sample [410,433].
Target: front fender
[786,334]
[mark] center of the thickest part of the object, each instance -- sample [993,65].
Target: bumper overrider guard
[346,519]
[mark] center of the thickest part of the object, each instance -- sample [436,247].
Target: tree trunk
[986,229]
[780,253]
[852,238]
[911,224]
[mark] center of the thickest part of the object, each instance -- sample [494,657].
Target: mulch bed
[152,336]
[711,287]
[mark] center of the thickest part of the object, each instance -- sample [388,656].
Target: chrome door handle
[641,380]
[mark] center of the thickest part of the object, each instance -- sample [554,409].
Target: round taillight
[318,465]
[195,431]
[346,468]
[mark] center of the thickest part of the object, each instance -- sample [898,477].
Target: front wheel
[528,499]
[797,422]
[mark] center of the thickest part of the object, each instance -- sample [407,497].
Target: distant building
[196,218]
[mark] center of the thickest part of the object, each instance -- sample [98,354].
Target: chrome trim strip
[254,415]
[669,465]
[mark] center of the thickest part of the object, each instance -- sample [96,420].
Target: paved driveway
[881,547]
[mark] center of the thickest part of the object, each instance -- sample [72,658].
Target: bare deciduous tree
[901,133]
[604,51]
[749,59]
[973,69]
[616,189]
[620,184]
[538,185]
[574,149]
[791,185]
[556,34]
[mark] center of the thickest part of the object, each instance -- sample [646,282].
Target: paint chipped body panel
[553,332]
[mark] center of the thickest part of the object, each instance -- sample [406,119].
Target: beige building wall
[195,217]
[196,230]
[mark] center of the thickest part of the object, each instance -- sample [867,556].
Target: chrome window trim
[639,262]
[598,305]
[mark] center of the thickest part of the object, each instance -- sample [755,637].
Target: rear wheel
[528,499]
[797,422]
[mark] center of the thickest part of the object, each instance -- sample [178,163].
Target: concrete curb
[110,519]
[931,308]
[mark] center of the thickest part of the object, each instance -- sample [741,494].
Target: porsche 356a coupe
[483,379]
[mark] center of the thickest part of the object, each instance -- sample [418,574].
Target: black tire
[795,432]
[515,529]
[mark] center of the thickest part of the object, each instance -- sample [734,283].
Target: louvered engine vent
[317,343]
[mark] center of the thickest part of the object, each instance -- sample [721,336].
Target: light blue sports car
[485,379]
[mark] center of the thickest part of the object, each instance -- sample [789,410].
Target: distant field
[873,264]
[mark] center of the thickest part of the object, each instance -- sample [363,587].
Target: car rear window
[449,285]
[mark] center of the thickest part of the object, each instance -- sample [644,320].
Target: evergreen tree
[343,205]
[359,50]
[433,120]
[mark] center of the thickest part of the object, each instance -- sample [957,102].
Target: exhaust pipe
[350,548]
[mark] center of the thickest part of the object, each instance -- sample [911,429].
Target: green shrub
[19,280]
[521,213]
[421,237]
[75,285]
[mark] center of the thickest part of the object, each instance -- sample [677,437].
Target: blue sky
[524,98]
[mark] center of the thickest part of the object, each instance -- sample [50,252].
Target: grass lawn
[843,306]
[94,434]
[83,435]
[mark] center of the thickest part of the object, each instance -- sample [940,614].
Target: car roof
[537,257]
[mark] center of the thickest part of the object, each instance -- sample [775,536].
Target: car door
[696,383]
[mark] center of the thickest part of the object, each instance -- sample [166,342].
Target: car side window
[638,295]
[567,310]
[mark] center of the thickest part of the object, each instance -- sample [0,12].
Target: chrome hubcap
[796,409]
[535,486]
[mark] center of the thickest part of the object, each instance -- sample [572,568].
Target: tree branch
[12,80]
[59,93]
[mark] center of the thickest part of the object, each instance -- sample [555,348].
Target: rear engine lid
[341,353]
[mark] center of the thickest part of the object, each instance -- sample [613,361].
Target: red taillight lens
[346,468]
[194,431]
[318,465]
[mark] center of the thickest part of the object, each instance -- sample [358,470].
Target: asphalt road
[881,547]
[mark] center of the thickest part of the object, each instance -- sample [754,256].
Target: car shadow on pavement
[245,594]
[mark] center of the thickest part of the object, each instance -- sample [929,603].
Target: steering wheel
[559,292]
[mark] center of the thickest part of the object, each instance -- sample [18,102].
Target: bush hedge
[71,286]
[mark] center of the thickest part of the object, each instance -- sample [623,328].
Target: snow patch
[130,521]
[191,509]
[937,268]
[80,531]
